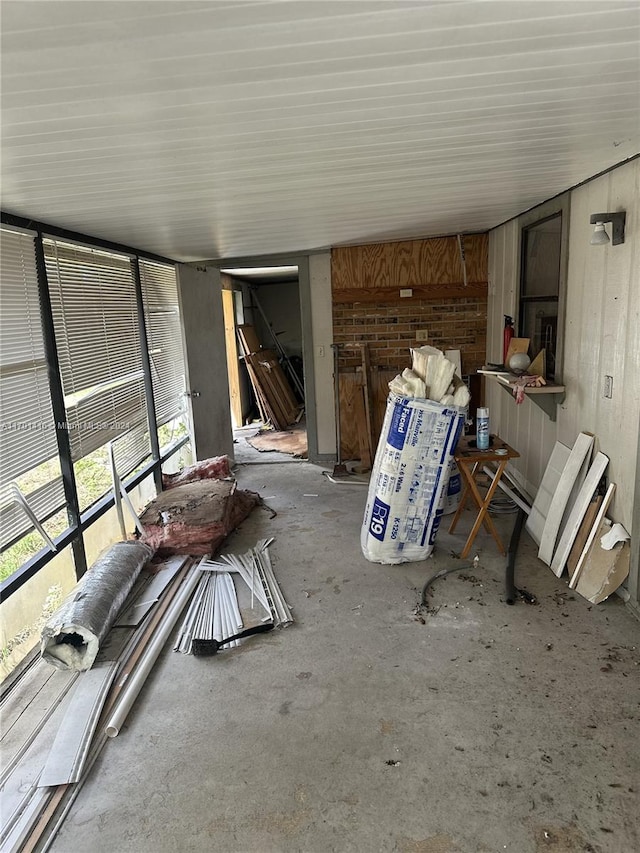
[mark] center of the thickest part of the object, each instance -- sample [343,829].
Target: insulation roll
[71,637]
[409,476]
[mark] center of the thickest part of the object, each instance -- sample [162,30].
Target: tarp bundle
[71,637]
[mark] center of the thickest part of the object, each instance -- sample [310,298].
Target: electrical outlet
[608,386]
[405,292]
[320,352]
[422,335]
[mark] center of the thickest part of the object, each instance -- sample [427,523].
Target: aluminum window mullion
[59,412]
[148,378]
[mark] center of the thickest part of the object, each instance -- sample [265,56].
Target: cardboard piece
[538,366]
[516,345]
[604,570]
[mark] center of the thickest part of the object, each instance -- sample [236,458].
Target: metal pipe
[145,664]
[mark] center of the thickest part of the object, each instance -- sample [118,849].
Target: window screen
[95,318]
[28,445]
[164,336]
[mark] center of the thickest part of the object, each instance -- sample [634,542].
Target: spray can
[507,335]
[482,428]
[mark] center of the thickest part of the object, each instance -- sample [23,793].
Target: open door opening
[263,331]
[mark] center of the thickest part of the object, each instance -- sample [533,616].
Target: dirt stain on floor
[562,839]
[434,844]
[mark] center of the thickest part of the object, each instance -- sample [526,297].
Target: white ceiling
[225,129]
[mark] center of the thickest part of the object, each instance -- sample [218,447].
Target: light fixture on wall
[600,236]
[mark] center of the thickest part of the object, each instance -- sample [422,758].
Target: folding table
[470,461]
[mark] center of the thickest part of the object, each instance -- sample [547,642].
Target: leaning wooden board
[580,507]
[551,477]
[583,533]
[570,473]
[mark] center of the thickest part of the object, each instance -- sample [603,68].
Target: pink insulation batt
[216,468]
[195,518]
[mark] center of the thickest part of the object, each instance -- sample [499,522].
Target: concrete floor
[487,728]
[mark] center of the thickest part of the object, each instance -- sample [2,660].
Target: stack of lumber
[567,521]
[274,396]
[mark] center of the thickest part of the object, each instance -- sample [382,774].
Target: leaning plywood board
[570,474]
[578,511]
[604,570]
[596,526]
[537,516]
[583,534]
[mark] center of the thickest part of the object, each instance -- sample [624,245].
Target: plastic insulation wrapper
[72,635]
[410,474]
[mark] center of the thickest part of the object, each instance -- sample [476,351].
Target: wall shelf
[547,398]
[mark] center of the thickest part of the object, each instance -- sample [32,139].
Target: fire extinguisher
[508,334]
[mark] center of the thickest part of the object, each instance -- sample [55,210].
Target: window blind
[95,318]
[27,436]
[164,336]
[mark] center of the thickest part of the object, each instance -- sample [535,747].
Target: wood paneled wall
[432,268]
[602,337]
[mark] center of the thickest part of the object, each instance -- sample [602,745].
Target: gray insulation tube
[71,637]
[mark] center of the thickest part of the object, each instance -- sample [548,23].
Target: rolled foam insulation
[72,636]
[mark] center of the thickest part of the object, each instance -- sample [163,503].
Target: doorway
[264,342]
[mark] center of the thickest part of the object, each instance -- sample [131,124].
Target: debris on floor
[256,570]
[292,441]
[215,619]
[568,521]
[216,468]
[196,517]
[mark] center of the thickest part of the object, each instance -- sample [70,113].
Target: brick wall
[390,330]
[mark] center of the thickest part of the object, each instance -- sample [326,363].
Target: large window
[542,283]
[164,339]
[95,315]
[30,478]
[85,344]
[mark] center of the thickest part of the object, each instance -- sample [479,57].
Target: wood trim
[391,295]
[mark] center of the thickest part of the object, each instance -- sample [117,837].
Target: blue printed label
[379,519]
[399,426]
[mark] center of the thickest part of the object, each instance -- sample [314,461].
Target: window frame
[556,206]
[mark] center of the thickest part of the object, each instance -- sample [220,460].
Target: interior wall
[322,333]
[281,304]
[602,337]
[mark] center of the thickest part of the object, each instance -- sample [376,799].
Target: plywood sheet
[350,389]
[583,533]
[409,263]
[248,339]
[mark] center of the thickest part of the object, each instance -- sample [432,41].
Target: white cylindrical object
[145,664]
[482,428]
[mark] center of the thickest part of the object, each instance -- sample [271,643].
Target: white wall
[602,336]
[322,327]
